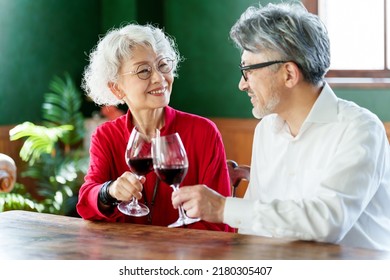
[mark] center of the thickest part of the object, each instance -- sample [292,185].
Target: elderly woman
[136,65]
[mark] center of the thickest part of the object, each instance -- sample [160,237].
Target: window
[359,33]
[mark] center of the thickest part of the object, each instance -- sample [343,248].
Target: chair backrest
[237,174]
[7,173]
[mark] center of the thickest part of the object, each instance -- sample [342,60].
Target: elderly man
[320,165]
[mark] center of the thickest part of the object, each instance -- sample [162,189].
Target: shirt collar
[324,109]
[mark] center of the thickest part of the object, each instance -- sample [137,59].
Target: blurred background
[43,39]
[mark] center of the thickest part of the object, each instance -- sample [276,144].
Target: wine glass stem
[134,202]
[182,214]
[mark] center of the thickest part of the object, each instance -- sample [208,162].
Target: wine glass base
[139,210]
[185,221]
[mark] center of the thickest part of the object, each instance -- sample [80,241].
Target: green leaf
[40,140]
[57,162]
[62,106]
[15,201]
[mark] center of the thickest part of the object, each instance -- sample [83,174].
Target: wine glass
[139,159]
[171,164]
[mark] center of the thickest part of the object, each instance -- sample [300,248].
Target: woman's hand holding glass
[139,159]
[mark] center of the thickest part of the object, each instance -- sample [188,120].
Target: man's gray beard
[260,113]
[255,113]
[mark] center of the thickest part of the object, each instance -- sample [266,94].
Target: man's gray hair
[289,31]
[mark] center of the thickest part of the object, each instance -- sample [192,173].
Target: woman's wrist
[105,197]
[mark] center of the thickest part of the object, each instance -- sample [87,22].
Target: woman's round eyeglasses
[144,71]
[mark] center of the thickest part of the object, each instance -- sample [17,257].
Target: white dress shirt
[330,183]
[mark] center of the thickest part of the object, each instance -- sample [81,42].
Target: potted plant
[53,151]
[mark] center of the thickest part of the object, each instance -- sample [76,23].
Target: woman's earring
[115,90]
[118,91]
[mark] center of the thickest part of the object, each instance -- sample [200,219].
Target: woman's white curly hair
[116,47]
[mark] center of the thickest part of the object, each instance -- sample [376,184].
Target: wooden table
[28,235]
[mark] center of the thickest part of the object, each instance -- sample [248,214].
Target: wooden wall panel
[237,135]
[10,148]
[387,127]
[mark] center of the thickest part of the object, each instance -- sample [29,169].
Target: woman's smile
[158,91]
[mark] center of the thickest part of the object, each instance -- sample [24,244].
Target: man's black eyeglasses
[243,69]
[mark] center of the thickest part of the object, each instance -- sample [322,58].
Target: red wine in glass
[139,159]
[171,164]
[140,166]
[171,175]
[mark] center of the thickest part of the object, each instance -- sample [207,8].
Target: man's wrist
[222,209]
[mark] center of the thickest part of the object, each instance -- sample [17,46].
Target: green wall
[43,38]
[208,81]
[40,39]
[209,76]
[376,100]
[116,12]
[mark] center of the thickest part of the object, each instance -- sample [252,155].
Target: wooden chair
[7,173]
[237,174]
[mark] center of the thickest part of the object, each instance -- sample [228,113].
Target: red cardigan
[207,165]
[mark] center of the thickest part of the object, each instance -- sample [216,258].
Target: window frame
[361,78]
